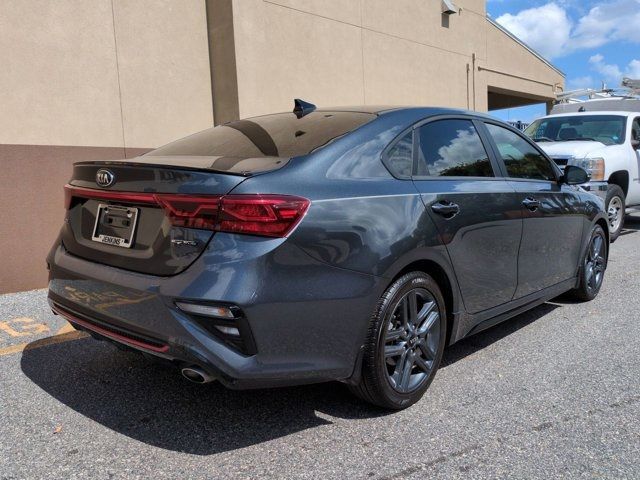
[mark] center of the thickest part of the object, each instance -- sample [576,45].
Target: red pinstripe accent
[120,338]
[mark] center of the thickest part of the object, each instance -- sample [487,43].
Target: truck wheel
[615,208]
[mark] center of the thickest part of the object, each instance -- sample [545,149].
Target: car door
[475,211]
[633,193]
[553,214]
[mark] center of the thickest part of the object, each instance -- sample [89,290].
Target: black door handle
[445,208]
[531,203]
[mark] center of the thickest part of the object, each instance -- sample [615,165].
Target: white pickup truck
[603,137]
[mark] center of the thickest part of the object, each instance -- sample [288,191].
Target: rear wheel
[593,266]
[615,207]
[404,344]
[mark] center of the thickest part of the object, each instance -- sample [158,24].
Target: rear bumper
[308,319]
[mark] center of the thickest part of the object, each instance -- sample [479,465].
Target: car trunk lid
[143,219]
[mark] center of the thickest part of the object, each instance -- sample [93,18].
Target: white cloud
[633,69]
[580,82]
[612,73]
[551,31]
[609,72]
[546,29]
[606,22]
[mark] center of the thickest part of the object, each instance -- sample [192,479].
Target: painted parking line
[23,327]
[66,333]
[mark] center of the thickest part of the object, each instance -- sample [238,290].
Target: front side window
[520,158]
[606,129]
[452,148]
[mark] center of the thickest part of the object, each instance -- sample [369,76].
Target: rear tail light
[263,215]
[190,212]
[268,215]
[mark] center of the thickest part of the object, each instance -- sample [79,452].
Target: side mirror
[574,175]
[635,144]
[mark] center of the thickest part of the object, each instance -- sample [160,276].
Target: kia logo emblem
[105,178]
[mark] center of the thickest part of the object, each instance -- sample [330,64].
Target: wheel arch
[445,279]
[620,178]
[605,226]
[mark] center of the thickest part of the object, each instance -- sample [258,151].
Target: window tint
[520,158]
[279,135]
[399,158]
[452,148]
[635,129]
[607,129]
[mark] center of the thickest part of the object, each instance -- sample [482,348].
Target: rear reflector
[256,214]
[206,310]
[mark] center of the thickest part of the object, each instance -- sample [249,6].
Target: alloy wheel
[411,340]
[595,263]
[615,213]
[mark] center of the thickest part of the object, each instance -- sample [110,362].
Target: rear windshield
[279,135]
[607,129]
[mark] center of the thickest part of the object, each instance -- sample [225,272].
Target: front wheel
[594,264]
[405,343]
[615,208]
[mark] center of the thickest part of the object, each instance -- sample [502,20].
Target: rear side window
[520,158]
[279,135]
[452,148]
[399,158]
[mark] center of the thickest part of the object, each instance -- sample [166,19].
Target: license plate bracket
[115,225]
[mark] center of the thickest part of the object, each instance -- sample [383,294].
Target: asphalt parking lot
[553,393]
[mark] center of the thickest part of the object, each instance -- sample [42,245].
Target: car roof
[425,111]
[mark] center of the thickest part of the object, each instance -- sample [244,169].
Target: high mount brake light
[253,214]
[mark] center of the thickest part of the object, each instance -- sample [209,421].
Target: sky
[591,41]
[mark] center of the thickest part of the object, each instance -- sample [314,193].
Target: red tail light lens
[190,212]
[264,215]
[267,215]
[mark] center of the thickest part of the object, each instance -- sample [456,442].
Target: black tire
[592,269]
[422,351]
[614,195]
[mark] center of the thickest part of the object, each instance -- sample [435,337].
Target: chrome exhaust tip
[197,375]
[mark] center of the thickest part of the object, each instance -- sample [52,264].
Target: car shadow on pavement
[151,403]
[631,224]
[481,340]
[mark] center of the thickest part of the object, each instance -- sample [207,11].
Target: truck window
[606,129]
[635,129]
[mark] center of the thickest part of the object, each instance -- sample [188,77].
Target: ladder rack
[630,89]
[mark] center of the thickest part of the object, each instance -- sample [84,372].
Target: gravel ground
[553,393]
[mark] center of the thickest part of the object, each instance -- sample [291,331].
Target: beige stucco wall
[519,69]
[58,81]
[121,73]
[376,52]
[83,80]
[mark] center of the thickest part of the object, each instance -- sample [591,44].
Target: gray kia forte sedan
[349,244]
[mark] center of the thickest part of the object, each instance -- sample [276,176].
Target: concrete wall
[82,80]
[511,69]
[376,52]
